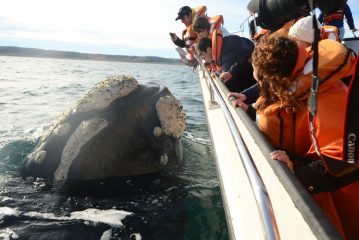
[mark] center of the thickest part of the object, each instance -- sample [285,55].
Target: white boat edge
[296,215]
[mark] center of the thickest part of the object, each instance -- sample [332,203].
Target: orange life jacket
[216,22]
[214,67]
[198,12]
[338,15]
[188,35]
[217,42]
[290,131]
[330,32]
[260,34]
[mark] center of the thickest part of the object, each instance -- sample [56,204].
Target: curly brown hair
[274,58]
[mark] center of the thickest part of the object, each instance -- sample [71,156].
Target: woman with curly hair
[275,59]
[283,70]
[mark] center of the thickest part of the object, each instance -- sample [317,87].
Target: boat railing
[321,227]
[259,190]
[243,25]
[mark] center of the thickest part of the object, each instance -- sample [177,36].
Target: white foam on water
[106,235]
[8,234]
[6,211]
[199,140]
[5,199]
[111,217]
[136,236]
[49,216]
[170,189]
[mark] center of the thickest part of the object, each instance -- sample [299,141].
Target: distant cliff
[34,52]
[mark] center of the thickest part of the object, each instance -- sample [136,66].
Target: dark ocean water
[33,92]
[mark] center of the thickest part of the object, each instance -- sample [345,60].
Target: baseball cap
[183,11]
[303,29]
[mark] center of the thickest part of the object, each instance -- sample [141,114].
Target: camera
[273,14]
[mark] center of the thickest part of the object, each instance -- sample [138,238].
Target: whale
[119,128]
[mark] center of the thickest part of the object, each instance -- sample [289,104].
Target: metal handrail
[259,190]
[241,26]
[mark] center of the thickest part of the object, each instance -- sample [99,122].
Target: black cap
[183,11]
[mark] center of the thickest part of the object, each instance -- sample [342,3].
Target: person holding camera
[336,19]
[188,15]
[284,72]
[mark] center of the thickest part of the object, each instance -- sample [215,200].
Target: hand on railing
[237,100]
[225,77]
[214,74]
[283,157]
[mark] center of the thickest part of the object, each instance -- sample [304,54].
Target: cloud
[137,24]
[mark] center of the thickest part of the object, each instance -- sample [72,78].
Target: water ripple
[35,91]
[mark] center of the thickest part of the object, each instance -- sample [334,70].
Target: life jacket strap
[217,41]
[338,15]
[351,128]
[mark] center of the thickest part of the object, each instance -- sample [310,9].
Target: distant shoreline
[42,53]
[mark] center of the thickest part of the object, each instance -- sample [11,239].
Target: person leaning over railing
[229,57]
[204,26]
[188,16]
[302,31]
[283,70]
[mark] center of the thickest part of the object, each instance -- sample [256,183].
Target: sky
[119,27]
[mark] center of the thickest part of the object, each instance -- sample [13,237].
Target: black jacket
[234,58]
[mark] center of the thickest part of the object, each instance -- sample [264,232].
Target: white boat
[261,197]
[352,43]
